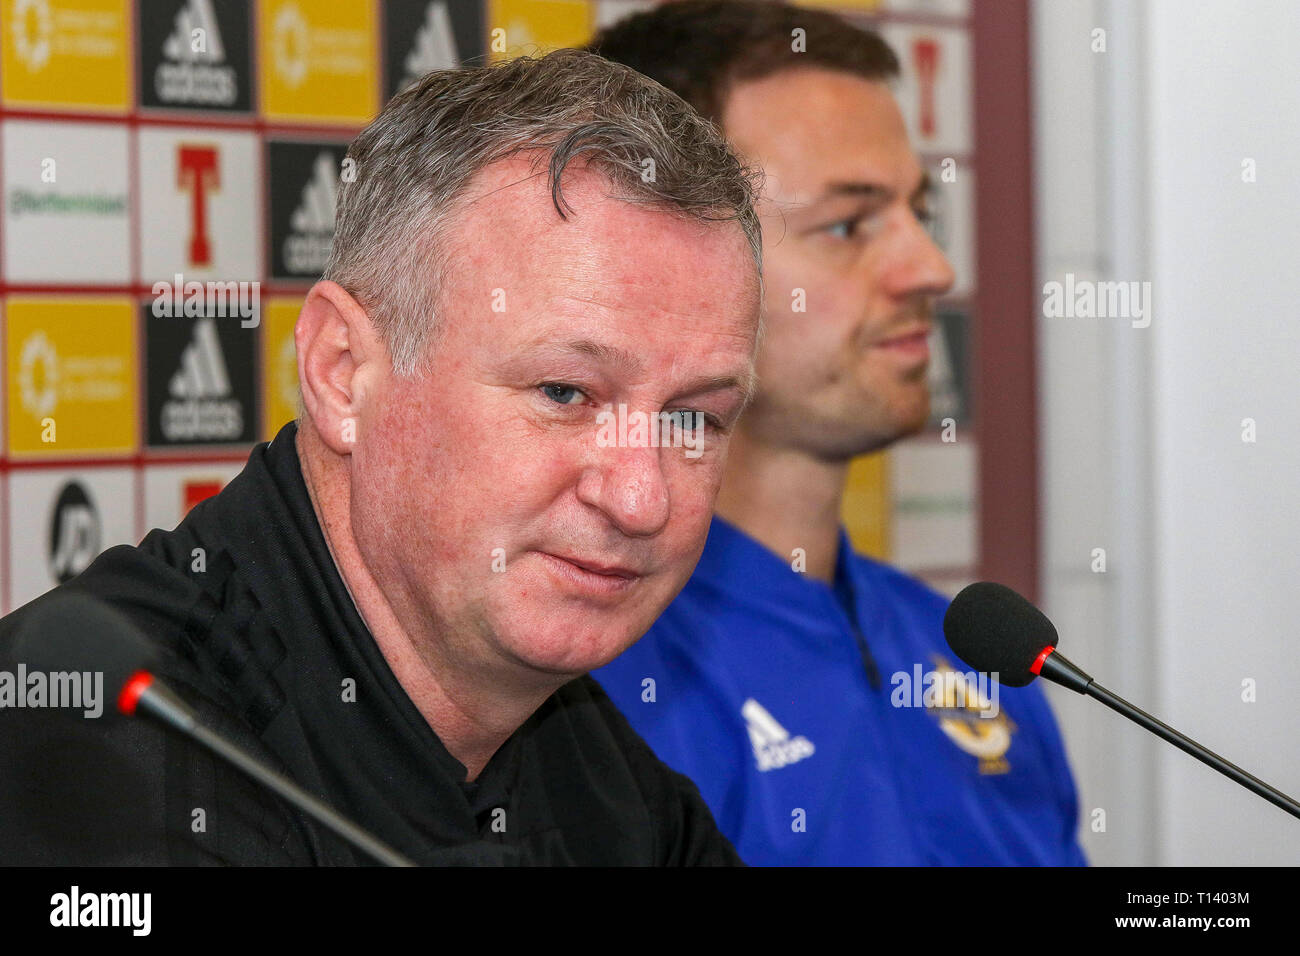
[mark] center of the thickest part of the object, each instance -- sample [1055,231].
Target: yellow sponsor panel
[535,27]
[318,60]
[280,382]
[865,509]
[71,371]
[66,53]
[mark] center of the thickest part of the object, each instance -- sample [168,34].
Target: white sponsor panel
[954,223]
[170,489]
[957,9]
[948,584]
[60,520]
[935,89]
[199,203]
[934,489]
[609,12]
[67,214]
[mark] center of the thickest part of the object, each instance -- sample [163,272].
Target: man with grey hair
[397,600]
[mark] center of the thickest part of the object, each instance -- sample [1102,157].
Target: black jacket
[257,630]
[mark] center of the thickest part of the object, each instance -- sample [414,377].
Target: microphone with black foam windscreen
[996,631]
[75,632]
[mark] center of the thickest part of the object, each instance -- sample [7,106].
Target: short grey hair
[413,162]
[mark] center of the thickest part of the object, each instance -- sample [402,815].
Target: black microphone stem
[1187,745]
[1062,671]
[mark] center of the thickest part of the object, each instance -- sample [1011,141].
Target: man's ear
[340,360]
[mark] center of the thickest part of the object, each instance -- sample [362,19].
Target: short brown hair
[700,48]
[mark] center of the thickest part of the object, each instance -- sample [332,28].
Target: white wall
[1139,177]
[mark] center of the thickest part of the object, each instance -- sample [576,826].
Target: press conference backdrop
[1165,139]
[151,144]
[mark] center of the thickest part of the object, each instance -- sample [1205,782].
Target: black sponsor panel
[950,367]
[195,54]
[304,182]
[201,377]
[425,35]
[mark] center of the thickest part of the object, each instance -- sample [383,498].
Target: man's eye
[857,228]
[691,419]
[925,217]
[844,229]
[562,394]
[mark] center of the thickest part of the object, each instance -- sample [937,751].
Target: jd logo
[74,533]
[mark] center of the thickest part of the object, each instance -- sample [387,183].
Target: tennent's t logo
[925,51]
[196,168]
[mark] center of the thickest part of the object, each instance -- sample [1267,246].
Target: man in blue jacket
[807,689]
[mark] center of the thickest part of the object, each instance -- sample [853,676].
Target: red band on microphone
[130,695]
[1037,665]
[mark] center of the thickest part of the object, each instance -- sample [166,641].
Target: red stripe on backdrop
[1005,380]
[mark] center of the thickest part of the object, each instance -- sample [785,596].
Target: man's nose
[919,266]
[629,486]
